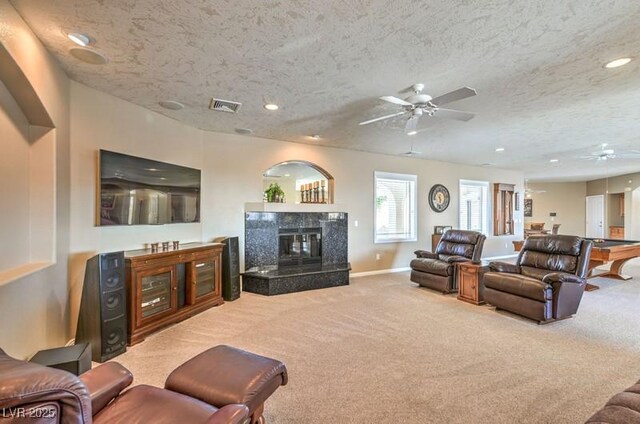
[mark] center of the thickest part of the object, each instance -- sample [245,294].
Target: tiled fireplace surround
[262,231]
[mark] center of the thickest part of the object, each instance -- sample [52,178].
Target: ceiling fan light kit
[419,104]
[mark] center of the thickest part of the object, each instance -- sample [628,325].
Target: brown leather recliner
[437,270]
[547,281]
[31,392]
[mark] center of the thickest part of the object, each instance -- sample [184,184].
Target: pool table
[607,250]
[618,251]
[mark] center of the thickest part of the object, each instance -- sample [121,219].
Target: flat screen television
[137,191]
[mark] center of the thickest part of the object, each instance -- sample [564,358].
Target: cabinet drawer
[468,269]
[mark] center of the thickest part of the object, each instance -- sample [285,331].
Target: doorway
[595,216]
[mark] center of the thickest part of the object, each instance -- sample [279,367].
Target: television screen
[136,191]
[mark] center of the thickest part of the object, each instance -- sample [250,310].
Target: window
[474,206]
[395,207]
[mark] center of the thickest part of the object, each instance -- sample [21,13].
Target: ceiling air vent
[224,105]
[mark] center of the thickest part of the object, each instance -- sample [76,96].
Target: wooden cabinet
[503,209]
[616,232]
[169,286]
[470,287]
[202,281]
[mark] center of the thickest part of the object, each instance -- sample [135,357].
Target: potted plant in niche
[274,194]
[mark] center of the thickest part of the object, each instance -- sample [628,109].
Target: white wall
[567,200]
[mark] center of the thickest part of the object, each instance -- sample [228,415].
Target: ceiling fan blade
[459,94]
[453,114]
[411,153]
[396,101]
[411,125]
[381,118]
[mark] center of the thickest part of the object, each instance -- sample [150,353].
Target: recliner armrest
[561,277]
[425,254]
[104,383]
[234,413]
[452,259]
[504,267]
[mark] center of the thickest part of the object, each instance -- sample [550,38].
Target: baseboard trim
[406,268]
[378,272]
[500,257]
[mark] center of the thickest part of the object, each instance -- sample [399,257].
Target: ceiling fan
[411,153]
[605,154]
[420,104]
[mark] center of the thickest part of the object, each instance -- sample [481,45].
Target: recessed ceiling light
[80,39]
[618,62]
[244,131]
[500,149]
[88,56]
[271,106]
[171,105]
[287,175]
[553,160]
[412,133]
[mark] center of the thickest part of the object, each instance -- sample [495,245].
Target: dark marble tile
[261,243]
[291,284]
[290,220]
[260,220]
[261,247]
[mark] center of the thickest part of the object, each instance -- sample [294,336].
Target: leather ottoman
[623,408]
[224,375]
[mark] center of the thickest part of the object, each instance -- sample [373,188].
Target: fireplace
[299,247]
[287,252]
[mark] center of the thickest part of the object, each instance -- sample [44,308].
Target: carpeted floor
[382,350]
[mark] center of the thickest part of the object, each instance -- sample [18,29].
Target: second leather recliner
[437,270]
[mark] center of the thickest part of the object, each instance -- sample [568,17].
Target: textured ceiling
[537,66]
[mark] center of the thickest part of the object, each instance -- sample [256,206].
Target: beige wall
[232,168]
[34,309]
[14,167]
[567,200]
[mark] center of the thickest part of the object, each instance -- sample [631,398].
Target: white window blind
[395,207]
[474,206]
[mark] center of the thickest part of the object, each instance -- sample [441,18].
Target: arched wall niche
[301,181]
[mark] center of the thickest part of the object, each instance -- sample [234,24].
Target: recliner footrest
[224,375]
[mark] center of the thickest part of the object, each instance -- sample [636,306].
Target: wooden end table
[470,286]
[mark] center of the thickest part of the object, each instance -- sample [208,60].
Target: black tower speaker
[103,308]
[230,268]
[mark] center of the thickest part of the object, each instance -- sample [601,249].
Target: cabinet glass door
[155,296]
[204,277]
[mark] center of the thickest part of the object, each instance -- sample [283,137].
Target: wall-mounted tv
[135,191]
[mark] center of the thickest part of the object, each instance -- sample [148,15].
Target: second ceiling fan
[420,104]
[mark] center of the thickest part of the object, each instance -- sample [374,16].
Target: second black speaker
[230,268]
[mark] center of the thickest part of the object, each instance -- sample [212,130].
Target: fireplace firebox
[299,247]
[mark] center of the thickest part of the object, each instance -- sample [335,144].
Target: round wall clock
[439,198]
